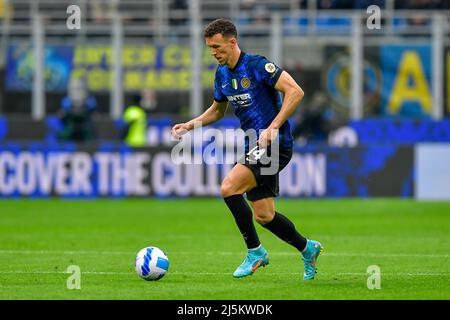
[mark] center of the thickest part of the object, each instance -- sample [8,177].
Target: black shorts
[266,169]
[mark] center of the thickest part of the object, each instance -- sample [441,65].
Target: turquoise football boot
[254,259]
[310,256]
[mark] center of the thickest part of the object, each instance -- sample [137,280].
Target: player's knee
[227,189]
[263,217]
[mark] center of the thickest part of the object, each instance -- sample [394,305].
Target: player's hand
[267,137]
[179,130]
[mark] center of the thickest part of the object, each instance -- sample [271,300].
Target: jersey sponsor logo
[224,85]
[242,100]
[270,67]
[234,84]
[245,83]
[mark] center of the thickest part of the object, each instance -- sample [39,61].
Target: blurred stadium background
[374,123]
[384,92]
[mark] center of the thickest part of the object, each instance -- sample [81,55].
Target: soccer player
[250,83]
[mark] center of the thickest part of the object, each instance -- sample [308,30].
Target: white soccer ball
[151,263]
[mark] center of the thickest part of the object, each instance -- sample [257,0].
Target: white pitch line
[229,253]
[409,274]
[63,252]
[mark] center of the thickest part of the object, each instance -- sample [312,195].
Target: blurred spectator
[6,16]
[176,7]
[254,13]
[76,113]
[419,19]
[134,126]
[364,4]
[314,121]
[335,4]
[101,10]
[425,4]
[6,9]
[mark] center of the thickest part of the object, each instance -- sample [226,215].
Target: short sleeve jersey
[250,89]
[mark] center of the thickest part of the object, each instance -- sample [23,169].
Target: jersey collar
[241,56]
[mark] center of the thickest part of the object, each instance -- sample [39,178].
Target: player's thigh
[263,210]
[238,181]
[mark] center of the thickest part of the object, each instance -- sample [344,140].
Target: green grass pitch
[39,239]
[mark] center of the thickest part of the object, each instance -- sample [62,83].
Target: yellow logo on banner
[410,67]
[144,66]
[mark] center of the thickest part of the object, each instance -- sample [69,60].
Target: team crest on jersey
[245,83]
[234,84]
[270,67]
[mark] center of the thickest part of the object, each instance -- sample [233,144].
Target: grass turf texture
[39,239]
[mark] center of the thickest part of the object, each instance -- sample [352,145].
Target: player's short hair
[222,26]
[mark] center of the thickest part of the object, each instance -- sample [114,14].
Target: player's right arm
[214,113]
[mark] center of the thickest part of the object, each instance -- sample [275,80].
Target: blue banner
[115,170]
[3,128]
[405,131]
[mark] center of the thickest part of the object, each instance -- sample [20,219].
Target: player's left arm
[293,95]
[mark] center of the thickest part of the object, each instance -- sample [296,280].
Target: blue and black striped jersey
[249,87]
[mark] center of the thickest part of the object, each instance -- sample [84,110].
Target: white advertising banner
[432,171]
